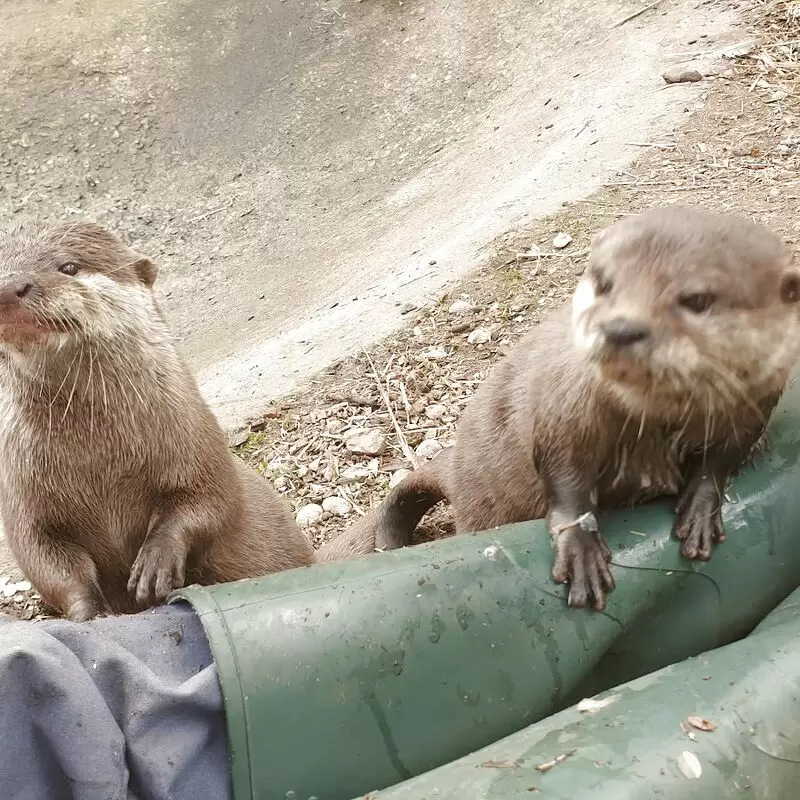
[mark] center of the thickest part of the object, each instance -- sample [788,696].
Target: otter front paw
[699,524]
[159,568]
[582,558]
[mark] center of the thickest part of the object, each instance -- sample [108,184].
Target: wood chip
[548,765]
[492,764]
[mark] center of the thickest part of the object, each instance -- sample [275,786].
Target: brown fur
[113,470]
[394,520]
[571,422]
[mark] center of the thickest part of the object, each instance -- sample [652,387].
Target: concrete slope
[300,168]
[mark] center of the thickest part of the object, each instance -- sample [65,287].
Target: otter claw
[158,569]
[582,558]
[698,527]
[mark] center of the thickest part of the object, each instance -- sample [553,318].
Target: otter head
[680,306]
[66,285]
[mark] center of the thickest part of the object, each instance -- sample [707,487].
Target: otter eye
[790,288]
[602,285]
[69,268]
[698,302]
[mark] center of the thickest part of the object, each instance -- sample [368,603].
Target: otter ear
[146,271]
[790,287]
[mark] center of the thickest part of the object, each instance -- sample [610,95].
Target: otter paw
[82,609]
[582,558]
[698,526]
[158,569]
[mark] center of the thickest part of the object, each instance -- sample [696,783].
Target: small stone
[591,705]
[479,336]
[310,514]
[368,441]
[334,425]
[398,476]
[11,588]
[689,765]
[561,240]
[239,438]
[460,307]
[435,411]
[682,75]
[435,353]
[354,474]
[491,552]
[336,505]
[428,448]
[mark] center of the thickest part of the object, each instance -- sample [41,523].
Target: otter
[658,379]
[116,481]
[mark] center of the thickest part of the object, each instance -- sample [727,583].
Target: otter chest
[642,465]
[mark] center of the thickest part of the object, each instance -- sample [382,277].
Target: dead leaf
[701,724]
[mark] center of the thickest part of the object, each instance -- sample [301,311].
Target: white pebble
[11,588]
[354,474]
[460,307]
[589,705]
[398,476]
[561,240]
[435,411]
[369,441]
[310,514]
[491,552]
[336,505]
[479,336]
[428,449]
[689,765]
[435,353]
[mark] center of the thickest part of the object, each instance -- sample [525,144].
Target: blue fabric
[124,707]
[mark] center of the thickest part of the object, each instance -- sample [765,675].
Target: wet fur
[560,427]
[106,440]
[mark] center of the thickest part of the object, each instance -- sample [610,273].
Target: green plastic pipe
[347,677]
[635,748]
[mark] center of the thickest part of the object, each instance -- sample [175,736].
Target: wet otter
[116,482]
[658,379]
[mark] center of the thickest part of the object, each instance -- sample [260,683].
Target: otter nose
[622,332]
[12,290]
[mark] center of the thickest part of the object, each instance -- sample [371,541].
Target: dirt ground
[737,148]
